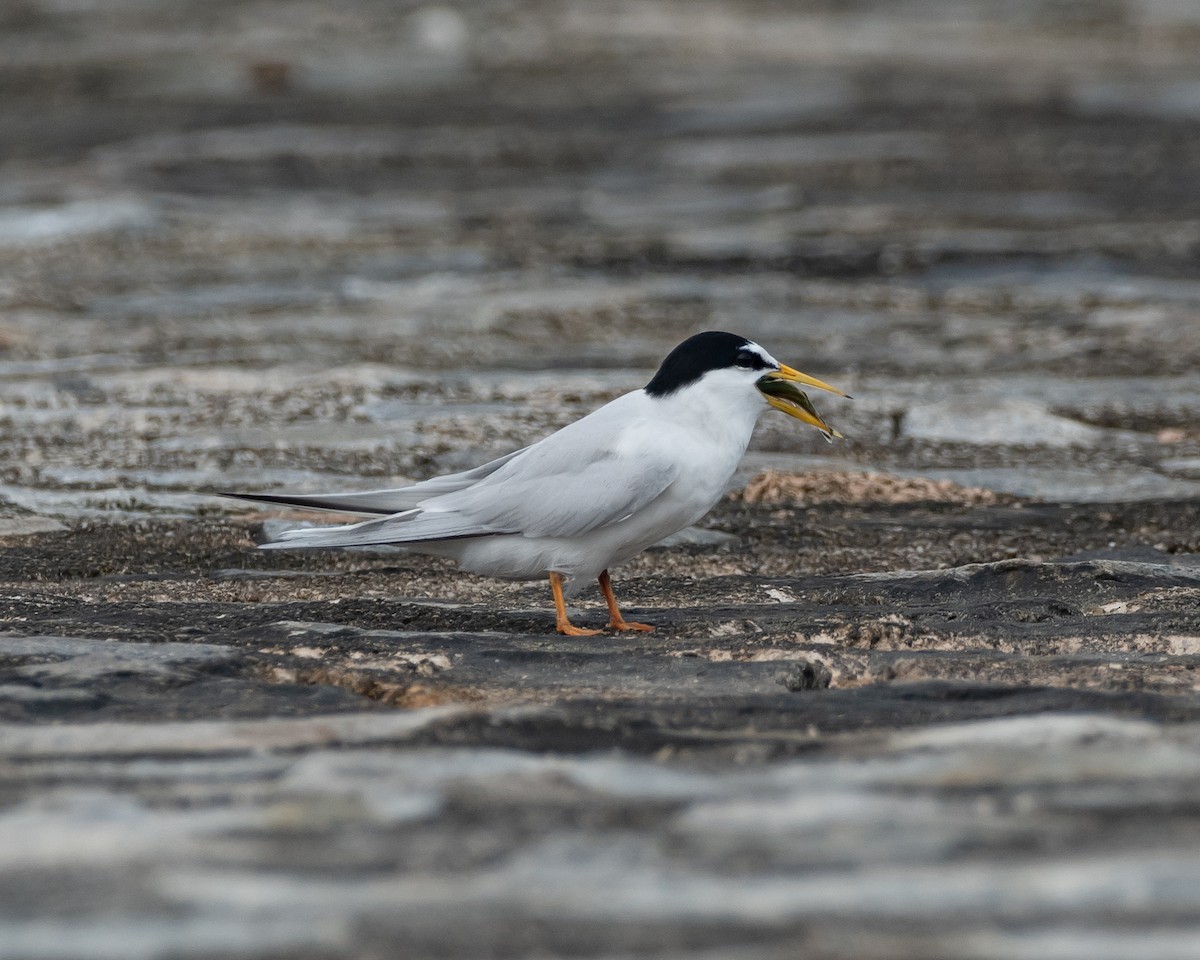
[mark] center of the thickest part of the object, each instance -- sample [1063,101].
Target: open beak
[781,390]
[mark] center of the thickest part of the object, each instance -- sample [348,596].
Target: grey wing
[559,491]
[547,493]
[382,501]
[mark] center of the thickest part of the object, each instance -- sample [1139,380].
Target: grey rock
[84,218]
[991,422]
[1188,467]
[69,677]
[807,675]
[98,662]
[25,526]
[1070,485]
[214,737]
[48,702]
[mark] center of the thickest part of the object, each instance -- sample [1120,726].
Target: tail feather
[413,526]
[375,502]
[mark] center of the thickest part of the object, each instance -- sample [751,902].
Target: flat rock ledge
[997,759]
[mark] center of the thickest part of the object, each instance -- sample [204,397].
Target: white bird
[596,493]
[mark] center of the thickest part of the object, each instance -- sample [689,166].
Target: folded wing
[573,482]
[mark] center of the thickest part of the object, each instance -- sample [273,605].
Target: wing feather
[382,502]
[562,504]
[592,473]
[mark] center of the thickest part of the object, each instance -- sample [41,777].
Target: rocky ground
[929,692]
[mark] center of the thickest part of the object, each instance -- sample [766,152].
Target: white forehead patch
[755,348]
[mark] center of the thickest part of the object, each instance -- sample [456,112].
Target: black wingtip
[263,498]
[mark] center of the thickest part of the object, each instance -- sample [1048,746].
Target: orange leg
[615,620]
[560,610]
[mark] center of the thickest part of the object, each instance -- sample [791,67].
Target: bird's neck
[711,415]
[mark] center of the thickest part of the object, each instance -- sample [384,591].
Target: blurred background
[294,243]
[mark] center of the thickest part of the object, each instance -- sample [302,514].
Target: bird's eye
[748,361]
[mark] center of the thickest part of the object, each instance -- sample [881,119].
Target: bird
[595,493]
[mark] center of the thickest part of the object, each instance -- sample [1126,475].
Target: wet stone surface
[931,692]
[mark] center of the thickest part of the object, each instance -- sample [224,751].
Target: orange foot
[561,623]
[622,625]
[615,620]
[568,629]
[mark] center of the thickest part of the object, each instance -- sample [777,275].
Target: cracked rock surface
[933,692]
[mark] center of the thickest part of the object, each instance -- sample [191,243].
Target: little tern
[595,493]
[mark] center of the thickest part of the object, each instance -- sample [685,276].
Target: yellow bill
[781,390]
[795,376]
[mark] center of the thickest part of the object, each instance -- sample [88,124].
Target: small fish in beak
[781,390]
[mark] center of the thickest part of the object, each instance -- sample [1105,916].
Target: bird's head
[733,365]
